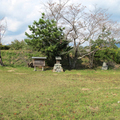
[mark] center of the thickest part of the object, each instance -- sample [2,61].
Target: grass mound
[18,57]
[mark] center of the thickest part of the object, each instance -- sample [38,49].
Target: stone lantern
[104,66]
[57,67]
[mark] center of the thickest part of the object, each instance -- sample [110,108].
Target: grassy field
[71,95]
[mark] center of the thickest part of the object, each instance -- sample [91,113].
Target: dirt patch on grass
[78,74]
[85,89]
[11,70]
[112,88]
[94,109]
[20,73]
[8,67]
[55,74]
[115,104]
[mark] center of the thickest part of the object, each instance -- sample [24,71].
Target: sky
[19,14]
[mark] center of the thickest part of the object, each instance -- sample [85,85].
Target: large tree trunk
[74,61]
[91,60]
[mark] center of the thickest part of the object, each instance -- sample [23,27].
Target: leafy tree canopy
[106,49]
[107,55]
[104,40]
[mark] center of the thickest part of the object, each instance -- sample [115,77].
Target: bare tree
[100,27]
[81,25]
[2,32]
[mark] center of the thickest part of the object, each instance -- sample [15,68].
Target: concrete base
[105,66]
[57,68]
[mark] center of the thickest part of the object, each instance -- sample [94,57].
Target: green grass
[71,95]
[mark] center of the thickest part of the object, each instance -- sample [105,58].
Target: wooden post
[35,68]
[42,68]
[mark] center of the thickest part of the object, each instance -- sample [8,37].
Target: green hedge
[18,57]
[5,47]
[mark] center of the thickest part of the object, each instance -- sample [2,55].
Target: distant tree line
[5,47]
[107,54]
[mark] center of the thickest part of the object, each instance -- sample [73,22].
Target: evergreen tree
[47,38]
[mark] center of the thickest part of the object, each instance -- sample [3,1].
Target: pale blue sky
[21,13]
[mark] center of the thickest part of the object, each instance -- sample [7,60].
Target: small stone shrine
[104,66]
[39,61]
[57,67]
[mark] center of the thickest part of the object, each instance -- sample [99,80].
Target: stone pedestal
[105,66]
[57,68]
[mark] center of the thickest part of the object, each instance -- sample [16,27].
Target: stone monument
[57,67]
[104,66]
